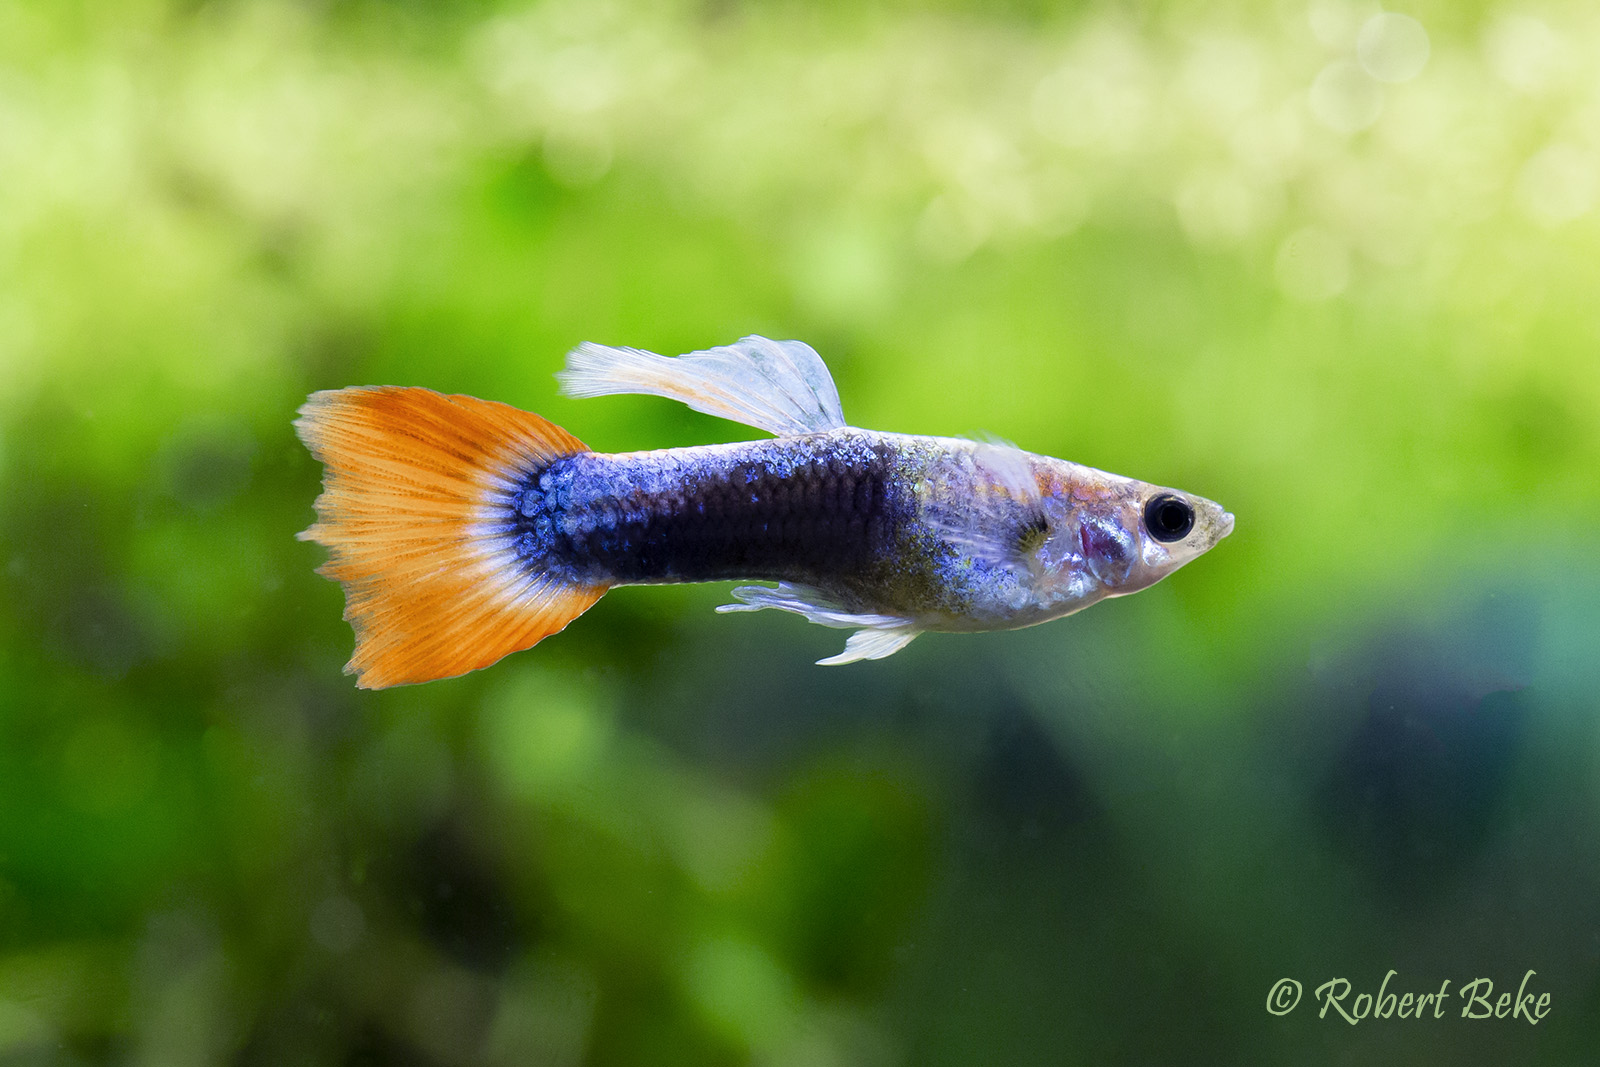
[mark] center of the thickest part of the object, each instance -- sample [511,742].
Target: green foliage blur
[1332,267]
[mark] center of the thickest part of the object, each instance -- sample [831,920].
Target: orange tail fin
[414,497]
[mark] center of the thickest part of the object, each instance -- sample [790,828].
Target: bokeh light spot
[1345,98]
[950,230]
[1524,52]
[742,990]
[542,735]
[1220,209]
[1100,99]
[719,837]
[22,1031]
[1558,185]
[1392,47]
[1336,22]
[1222,77]
[842,273]
[545,1011]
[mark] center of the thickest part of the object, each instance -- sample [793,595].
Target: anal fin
[872,643]
[878,636]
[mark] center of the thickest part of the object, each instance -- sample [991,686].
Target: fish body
[463,530]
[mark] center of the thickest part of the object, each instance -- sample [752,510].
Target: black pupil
[1168,518]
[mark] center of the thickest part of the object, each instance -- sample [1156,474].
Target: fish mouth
[1227,524]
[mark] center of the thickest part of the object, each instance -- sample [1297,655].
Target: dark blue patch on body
[771,510]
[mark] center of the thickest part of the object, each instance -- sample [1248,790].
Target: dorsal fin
[782,387]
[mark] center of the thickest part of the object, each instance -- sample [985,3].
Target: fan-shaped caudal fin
[415,512]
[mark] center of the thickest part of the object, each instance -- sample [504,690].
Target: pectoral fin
[986,502]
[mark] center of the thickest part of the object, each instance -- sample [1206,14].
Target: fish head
[1111,536]
[1134,542]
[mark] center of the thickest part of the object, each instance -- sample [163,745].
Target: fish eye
[1168,518]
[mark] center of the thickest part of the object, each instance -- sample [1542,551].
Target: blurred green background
[1335,268]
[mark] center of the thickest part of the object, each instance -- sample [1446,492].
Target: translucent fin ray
[782,387]
[878,636]
[872,644]
[973,501]
[432,588]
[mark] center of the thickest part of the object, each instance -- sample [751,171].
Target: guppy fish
[463,530]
